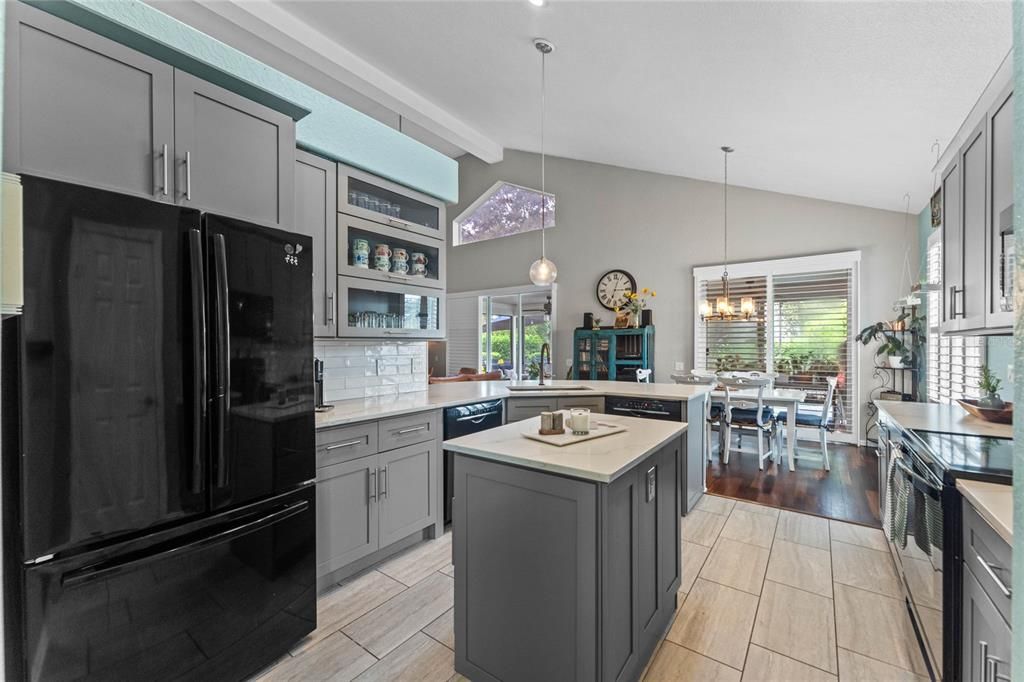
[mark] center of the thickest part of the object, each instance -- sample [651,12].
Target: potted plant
[989,386]
[891,345]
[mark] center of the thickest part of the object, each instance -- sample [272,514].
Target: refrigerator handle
[199,378]
[101,570]
[223,351]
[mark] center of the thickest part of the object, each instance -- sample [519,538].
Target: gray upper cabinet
[367,196]
[316,204]
[234,157]
[952,247]
[1000,214]
[970,299]
[84,109]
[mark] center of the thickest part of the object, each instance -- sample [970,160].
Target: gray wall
[658,227]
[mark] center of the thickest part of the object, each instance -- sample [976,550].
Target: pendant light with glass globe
[543,272]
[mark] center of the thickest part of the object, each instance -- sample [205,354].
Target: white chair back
[732,401]
[643,376]
[771,376]
[830,395]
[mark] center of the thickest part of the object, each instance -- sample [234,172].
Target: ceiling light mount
[538,3]
[543,45]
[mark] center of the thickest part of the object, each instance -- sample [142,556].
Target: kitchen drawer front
[989,558]
[398,432]
[344,443]
[519,409]
[593,403]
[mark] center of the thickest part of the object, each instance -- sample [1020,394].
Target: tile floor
[766,595]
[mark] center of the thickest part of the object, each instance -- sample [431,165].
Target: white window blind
[736,345]
[802,329]
[811,331]
[463,332]
[954,362]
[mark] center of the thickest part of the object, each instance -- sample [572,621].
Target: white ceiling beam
[272,23]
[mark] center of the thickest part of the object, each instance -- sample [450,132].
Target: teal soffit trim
[331,129]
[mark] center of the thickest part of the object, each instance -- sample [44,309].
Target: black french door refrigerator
[158,442]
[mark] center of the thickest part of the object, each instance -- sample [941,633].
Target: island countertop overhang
[601,460]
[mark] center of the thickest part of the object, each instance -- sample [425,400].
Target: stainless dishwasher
[462,421]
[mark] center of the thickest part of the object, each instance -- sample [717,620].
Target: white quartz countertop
[460,393]
[994,502]
[600,459]
[941,418]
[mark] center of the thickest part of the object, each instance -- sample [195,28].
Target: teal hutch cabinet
[612,354]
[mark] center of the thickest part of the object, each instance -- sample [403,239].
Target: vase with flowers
[636,305]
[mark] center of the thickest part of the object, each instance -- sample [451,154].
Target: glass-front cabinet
[366,196]
[386,310]
[999,312]
[369,250]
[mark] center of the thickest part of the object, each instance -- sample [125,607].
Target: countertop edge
[974,492]
[572,472]
[966,425]
[500,394]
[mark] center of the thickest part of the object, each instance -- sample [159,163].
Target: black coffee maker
[318,383]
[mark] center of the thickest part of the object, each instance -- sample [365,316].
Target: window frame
[482,199]
[791,266]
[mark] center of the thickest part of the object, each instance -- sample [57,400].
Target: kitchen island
[567,559]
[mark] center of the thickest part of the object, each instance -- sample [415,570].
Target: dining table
[788,398]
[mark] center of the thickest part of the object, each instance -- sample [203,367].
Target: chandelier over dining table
[723,308]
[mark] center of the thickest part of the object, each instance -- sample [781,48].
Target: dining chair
[748,413]
[771,376]
[643,376]
[824,421]
[712,412]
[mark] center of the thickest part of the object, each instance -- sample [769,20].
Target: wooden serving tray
[598,429]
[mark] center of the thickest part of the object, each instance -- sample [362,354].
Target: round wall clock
[613,287]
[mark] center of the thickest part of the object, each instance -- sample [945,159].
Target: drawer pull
[414,429]
[346,444]
[991,570]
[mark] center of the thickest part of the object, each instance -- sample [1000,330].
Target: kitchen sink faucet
[546,348]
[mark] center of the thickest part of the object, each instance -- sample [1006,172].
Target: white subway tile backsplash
[358,369]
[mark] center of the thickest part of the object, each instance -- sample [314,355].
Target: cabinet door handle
[371,494]
[384,482]
[991,570]
[346,444]
[163,190]
[983,651]
[992,670]
[188,175]
[414,429]
[330,308]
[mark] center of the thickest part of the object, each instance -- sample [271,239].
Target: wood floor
[765,595]
[849,492]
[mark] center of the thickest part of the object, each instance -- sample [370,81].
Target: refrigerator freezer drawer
[220,604]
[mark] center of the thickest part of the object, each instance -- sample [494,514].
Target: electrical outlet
[680,366]
[568,362]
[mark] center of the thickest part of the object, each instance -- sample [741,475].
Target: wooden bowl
[1002,416]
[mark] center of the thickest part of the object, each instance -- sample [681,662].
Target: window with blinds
[954,362]
[735,345]
[801,331]
[812,323]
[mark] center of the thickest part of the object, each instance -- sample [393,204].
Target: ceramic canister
[400,266]
[361,259]
[419,270]
[418,258]
[360,246]
[400,254]
[383,250]
[382,263]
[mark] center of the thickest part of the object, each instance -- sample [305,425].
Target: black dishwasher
[462,421]
[645,408]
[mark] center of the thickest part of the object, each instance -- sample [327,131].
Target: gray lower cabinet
[518,409]
[373,493]
[316,203]
[84,109]
[987,639]
[558,578]
[234,157]
[346,512]
[406,490]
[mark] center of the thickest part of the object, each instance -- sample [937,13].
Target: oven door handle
[636,412]
[916,476]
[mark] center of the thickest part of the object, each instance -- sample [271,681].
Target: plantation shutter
[734,345]
[954,362]
[812,320]
[463,332]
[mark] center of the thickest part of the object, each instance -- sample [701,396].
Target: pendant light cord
[725,213]
[543,192]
